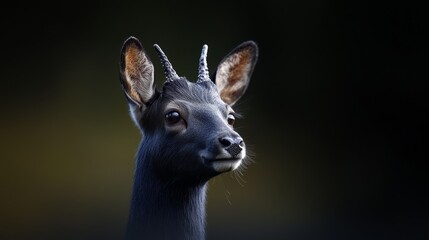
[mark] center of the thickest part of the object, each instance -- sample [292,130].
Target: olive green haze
[332,117]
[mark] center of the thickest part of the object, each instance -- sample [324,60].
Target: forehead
[186,91]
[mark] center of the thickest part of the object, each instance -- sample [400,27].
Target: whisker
[227,195]
[239,179]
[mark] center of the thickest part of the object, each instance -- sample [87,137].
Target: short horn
[169,72]
[203,70]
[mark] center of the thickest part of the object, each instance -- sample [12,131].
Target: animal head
[187,125]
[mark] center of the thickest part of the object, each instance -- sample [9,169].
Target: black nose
[232,145]
[228,141]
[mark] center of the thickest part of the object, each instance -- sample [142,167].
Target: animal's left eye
[231,119]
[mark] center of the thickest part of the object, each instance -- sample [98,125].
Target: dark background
[334,117]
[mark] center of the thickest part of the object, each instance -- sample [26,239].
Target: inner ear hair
[137,72]
[234,72]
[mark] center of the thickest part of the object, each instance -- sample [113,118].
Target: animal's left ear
[234,71]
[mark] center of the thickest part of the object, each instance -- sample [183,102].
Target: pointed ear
[137,77]
[234,71]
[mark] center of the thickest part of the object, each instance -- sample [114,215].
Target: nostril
[225,141]
[241,143]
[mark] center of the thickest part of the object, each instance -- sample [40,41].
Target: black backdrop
[334,116]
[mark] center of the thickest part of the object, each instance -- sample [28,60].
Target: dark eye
[231,119]
[172,117]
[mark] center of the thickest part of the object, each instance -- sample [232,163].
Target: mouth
[224,159]
[224,164]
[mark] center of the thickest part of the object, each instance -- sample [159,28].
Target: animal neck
[165,210]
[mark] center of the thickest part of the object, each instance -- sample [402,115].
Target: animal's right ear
[137,77]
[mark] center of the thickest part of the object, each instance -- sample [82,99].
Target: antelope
[187,137]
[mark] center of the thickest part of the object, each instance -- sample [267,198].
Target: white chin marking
[225,166]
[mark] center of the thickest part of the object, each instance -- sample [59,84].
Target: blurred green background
[334,117]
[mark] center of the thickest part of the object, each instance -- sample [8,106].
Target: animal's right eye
[173,117]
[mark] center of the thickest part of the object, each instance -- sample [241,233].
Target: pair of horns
[170,73]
